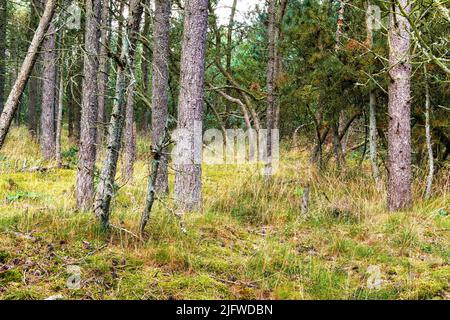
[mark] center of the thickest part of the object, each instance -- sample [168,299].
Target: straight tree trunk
[47,132]
[372,110]
[59,114]
[373,137]
[271,74]
[59,119]
[399,133]
[229,51]
[145,64]
[130,129]
[34,82]
[160,86]
[188,169]
[428,137]
[88,133]
[76,91]
[3,25]
[12,102]
[105,188]
[103,69]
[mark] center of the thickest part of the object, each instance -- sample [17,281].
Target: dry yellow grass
[251,241]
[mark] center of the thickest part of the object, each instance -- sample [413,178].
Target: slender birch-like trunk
[428,137]
[373,137]
[271,74]
[105,189]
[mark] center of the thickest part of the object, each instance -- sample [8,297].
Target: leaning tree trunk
[12,102]
[130,132]
[47,132]
[188,169]
[105,188]
[103,70]
[399,160]
[160,85]
[88,133]
[428,137]
[3,24]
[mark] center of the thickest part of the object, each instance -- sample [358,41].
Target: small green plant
[20,195]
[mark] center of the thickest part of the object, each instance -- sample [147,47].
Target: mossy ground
[250,242]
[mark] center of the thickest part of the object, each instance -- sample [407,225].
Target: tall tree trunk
[271,74]
[145,64]
[160,86]
[229,51]
[12,102]
[130,129]
[59,118]
[105,188]
[103,70]
[59,113]
[372,110]
[188,169]
[88,133]
[337,146]
[373,137]
[428,137]
[3,25]
[47,132]
[33,95]
[278,59]
[399,162]
[34,81]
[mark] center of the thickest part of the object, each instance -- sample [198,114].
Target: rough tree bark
[88,133]
[188,170]
[105,187]
[160,86]
[145,64]
[399,133]
[130,130]
[103,70]
[12,102]
[47,132]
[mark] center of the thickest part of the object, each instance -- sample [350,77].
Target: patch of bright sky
[223,9]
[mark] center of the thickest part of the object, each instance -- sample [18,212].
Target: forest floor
[251,241]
